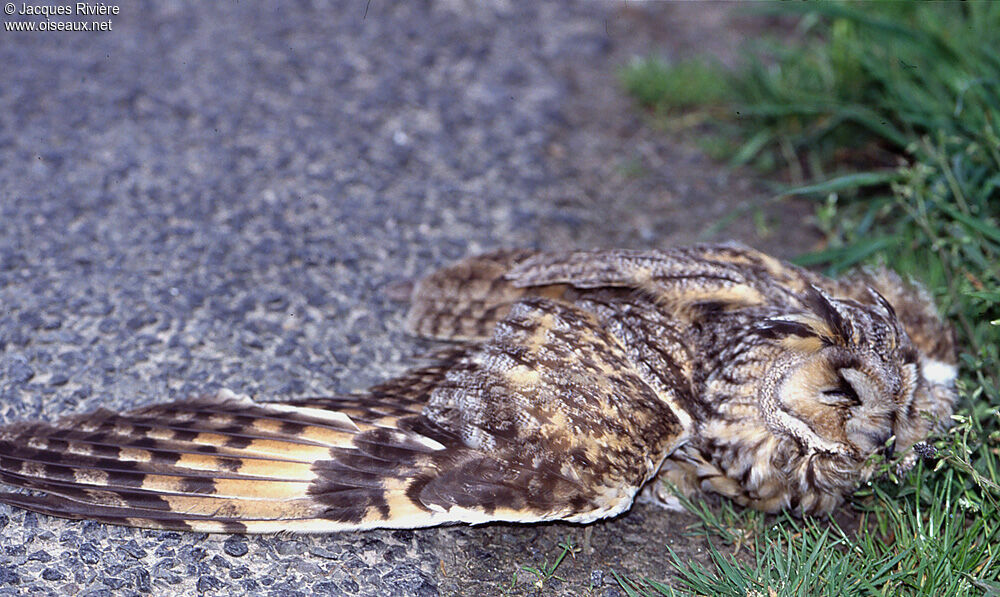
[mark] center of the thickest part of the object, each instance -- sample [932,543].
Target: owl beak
[890,448]
[884,443]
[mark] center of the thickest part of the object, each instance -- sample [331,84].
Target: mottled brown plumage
[579,378]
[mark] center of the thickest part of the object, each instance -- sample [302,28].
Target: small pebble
[235,546]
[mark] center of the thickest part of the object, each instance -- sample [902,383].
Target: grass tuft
[660,86]
[887,115]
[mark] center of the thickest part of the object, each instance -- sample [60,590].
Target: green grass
[691,84]
[887,115]
[547,571]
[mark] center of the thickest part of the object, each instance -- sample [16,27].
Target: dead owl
[574,380]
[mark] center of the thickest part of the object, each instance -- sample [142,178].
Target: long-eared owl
[572,381]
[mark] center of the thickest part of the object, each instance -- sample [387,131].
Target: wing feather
[728,275]
[555,417]
[465,300]
[214,464]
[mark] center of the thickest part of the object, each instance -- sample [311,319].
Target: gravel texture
[218,195]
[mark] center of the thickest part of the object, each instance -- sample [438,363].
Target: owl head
[848,385]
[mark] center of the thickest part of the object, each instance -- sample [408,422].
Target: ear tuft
[781,327]
[823,306]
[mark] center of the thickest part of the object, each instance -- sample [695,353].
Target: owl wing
[465,300]
[728,275]
[551,419]
[225,463]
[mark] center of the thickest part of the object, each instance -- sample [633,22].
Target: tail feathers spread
[227,464]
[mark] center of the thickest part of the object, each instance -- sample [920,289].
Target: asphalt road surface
[219,194]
